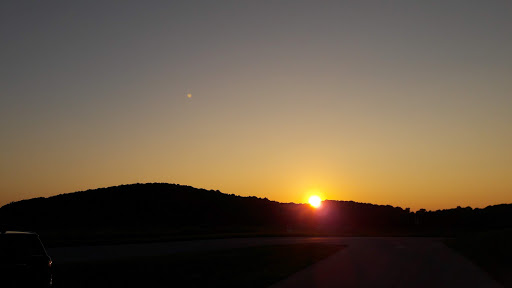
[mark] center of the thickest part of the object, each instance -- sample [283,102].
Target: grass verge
[491,250]
[243,267]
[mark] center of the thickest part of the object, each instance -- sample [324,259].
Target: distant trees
[179,209]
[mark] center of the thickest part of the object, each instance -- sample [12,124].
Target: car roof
[16,233]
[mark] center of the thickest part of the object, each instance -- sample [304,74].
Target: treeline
[171,209]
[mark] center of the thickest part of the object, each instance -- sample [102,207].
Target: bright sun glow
[315,201]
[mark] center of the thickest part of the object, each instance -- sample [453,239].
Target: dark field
[491,250]
[244,267]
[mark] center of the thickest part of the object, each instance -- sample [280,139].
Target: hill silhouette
[148,210]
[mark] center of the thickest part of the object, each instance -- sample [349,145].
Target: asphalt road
[391,262]
[105,252]
[366,262]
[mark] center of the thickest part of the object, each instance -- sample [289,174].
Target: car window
[20,246]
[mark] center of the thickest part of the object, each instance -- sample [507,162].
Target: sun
[315,201]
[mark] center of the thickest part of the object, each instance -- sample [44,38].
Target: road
[105,252]
[391,262]
[366,262]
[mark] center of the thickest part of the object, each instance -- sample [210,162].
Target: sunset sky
[407,103]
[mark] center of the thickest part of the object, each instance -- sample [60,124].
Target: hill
[171,210]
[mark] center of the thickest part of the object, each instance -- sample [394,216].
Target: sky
[403,103]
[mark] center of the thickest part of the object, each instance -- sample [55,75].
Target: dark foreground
[243,267]
[491,250]
[365,262]
[394,263]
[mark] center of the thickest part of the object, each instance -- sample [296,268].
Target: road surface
[391,262]
[365,262]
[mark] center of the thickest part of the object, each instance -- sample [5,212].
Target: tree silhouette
[172,209]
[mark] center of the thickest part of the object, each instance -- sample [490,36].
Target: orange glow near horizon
[278,111]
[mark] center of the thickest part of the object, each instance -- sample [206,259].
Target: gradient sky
[407,103]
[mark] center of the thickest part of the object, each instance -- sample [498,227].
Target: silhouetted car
[23,260]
